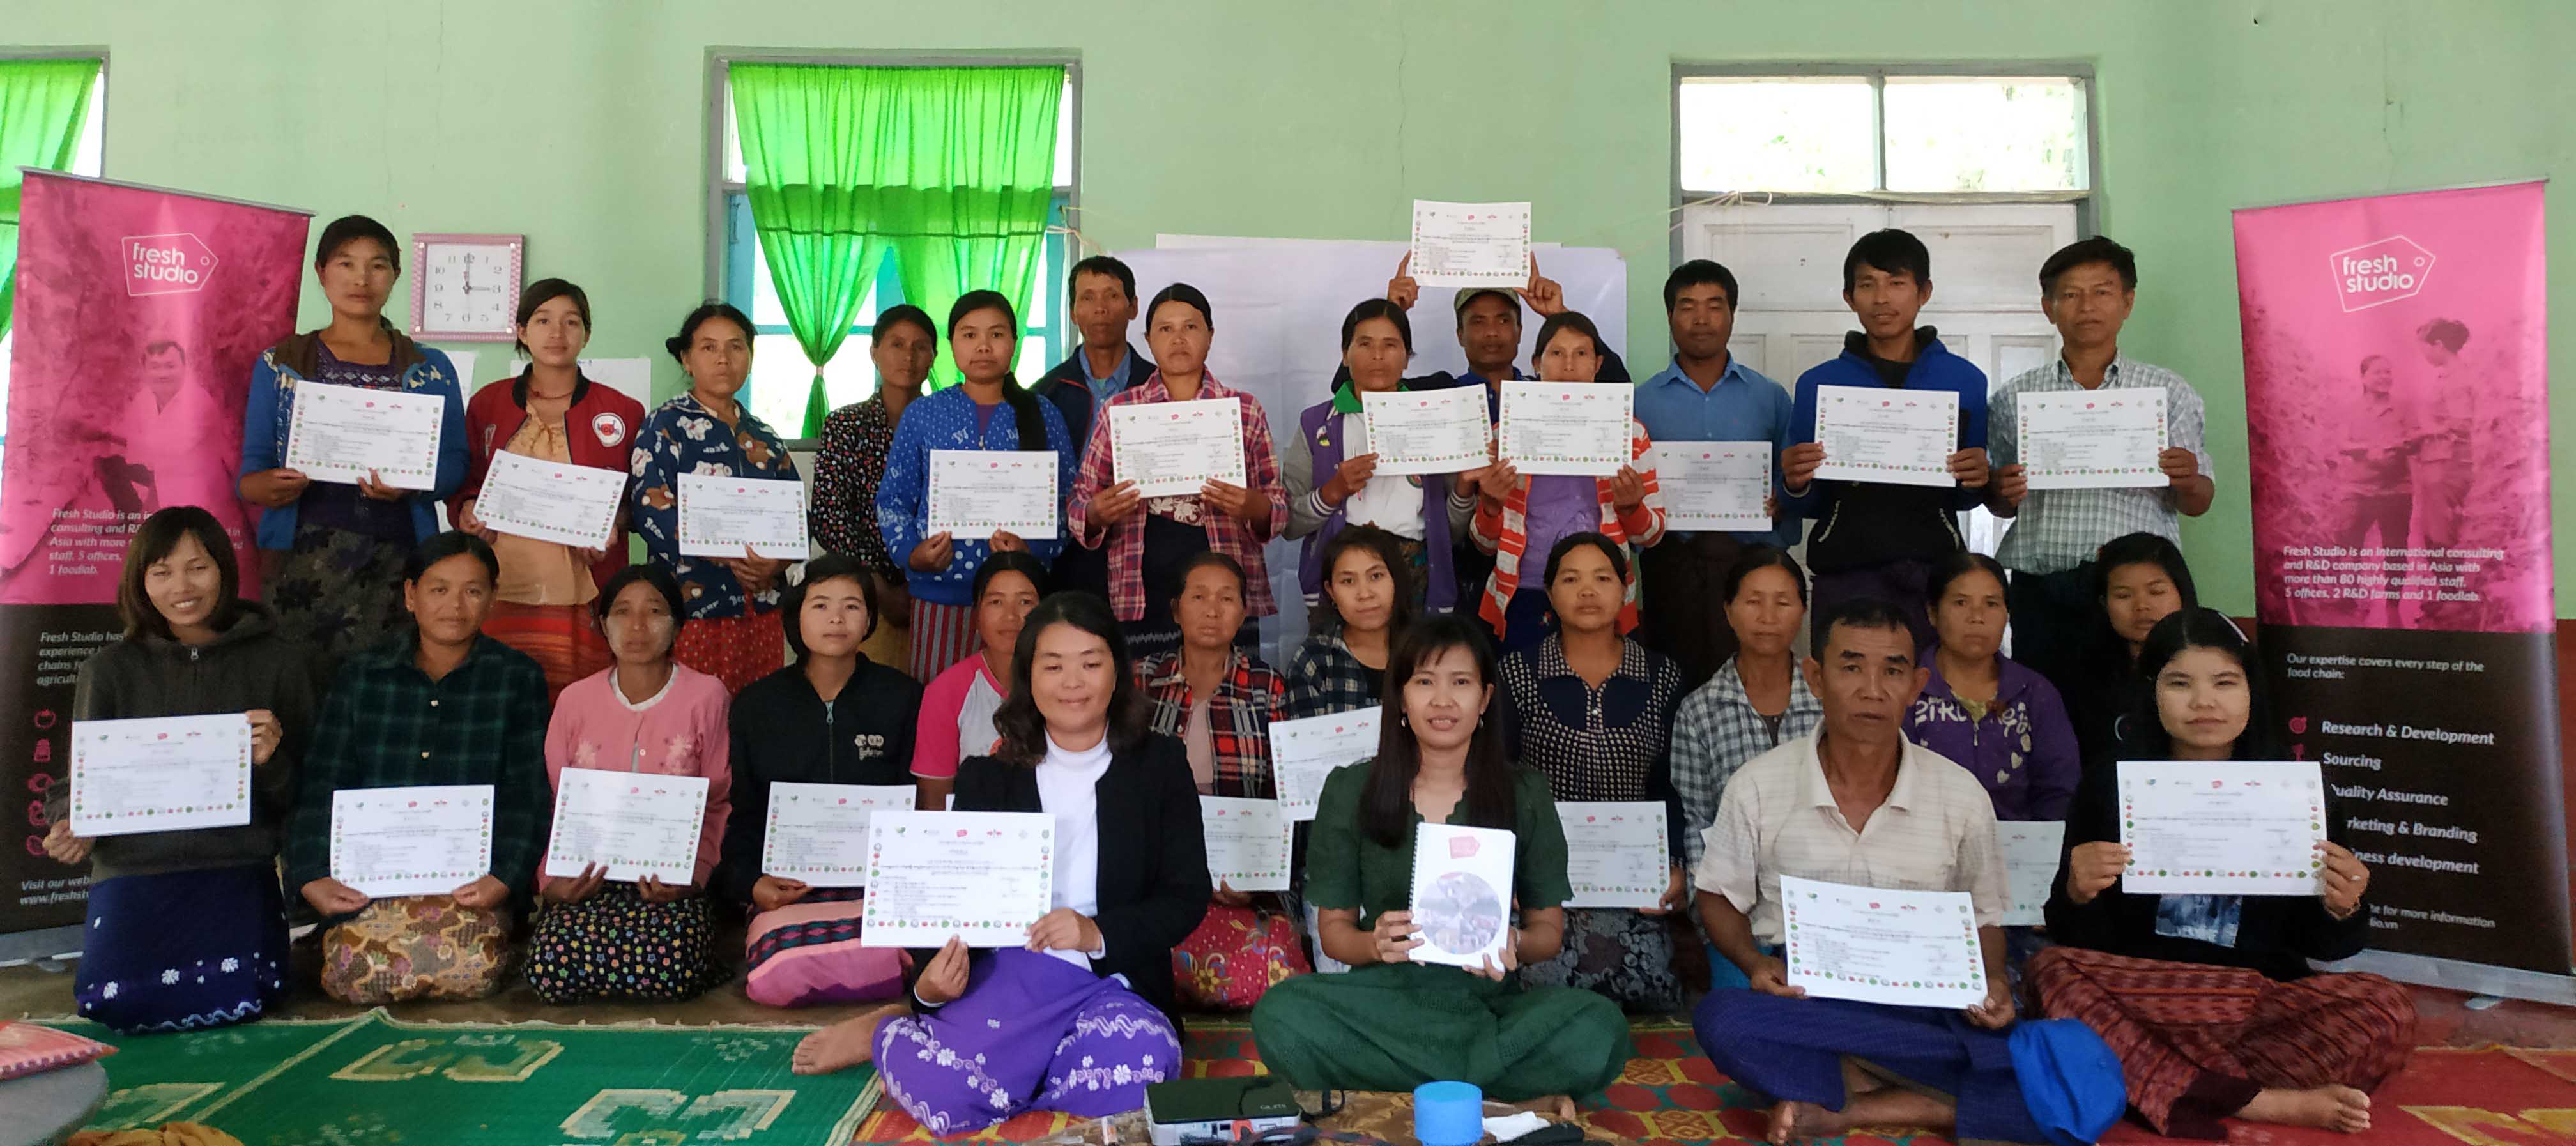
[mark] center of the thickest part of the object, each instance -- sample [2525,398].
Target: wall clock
[465,288]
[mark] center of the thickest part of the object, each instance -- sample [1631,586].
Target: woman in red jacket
[552,413]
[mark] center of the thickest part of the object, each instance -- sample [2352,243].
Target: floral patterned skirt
[415,947]
[183,950]
[1615,952]
[339,591]
[1234,956]
[614,945]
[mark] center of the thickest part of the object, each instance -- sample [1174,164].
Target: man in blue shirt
[1704,396]
[1103,291]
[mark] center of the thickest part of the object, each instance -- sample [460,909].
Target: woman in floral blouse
[708,431]
[904,346]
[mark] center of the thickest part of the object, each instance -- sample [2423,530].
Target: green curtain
[950,168]
[43,104]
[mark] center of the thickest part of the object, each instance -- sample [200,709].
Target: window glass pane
[734,171]
[1951,133]
[766,310]
[1777,134]
[86,159]
[1030,363]
[1064,136]
[780,377]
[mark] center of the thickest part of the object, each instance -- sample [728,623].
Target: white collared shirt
[1934,832]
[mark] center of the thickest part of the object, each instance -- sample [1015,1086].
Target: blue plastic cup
[1448,1114]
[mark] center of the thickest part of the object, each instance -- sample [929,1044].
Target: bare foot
[2337,1108]
[1556,1106]
[1799,1121]
[844,1044]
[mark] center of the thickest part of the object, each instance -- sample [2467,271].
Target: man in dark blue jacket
[1103,291]
[1881,539]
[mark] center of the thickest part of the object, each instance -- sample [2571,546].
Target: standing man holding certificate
[202,896]
[710,432]
[440,704]
[1853,803]
[1148,537]
[1105,365]
[1879,539]
[2087,290]
[552,413]
[334,551]
[1704,396]
[2208,999]
[989,411]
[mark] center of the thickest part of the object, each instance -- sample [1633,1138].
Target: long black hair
[1399,576]
[1386,810]
[2146,737]
[2110,652]
[1024,405]
[1019,724]
[153,541]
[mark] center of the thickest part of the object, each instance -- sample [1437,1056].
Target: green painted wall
[582,124]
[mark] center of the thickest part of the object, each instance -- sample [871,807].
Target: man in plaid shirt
[2087,290]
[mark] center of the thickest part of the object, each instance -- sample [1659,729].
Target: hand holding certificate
[631,824]
[1715,485]
[1303,752]
[1170,449]
[818,833]
[2234,828]
[343,433]
[976,493]
[160,774]
[1577,428]
[719,516]
[981,876]
[550,501]
[411,841]
[1910,948]
[1470,244]
[1248,842]
[1462,896]
[1897,437]
[2093,439]
[1617,853]
[1427,431]
[2031,853]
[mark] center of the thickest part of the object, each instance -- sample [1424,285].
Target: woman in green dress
[1390,1023]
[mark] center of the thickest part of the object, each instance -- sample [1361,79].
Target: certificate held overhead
[1470,244]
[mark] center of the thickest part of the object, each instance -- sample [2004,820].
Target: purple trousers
[1032,1032]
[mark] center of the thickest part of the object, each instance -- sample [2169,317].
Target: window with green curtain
[43,104]
[950,169]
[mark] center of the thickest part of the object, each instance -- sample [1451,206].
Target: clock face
[469,289]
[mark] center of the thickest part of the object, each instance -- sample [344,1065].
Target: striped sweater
[1505,534]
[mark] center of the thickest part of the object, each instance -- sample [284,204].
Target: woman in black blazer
[1078,1020]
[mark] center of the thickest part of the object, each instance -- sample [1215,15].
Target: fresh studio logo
[166,264]
[2379,272]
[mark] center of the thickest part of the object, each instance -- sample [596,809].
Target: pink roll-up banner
[139,313]
[2397,409]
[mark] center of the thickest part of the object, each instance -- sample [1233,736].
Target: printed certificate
[975,492]
[818,833]
[1462,894]
[338,433]
[1470,244]
[1719,486]
[160,774]
[985,876]
[1426,431]
[1304,751]
[1618,853]
[2031,850]
[2091,439]
[550,501]
[411,841]
[1170,449]
[2231,828]
[1577,428]
[1247,842]
[720,515]
[634,824]
[1896,437]
[1910,948]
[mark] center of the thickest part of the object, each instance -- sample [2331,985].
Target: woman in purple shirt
[1985,711]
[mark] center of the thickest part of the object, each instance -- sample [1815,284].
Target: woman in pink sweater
[646,713]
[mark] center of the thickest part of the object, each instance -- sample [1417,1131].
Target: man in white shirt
[1854,803]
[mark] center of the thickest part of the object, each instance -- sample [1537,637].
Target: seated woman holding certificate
[903,346]
[1392,1023]
[442,705]
[833,717]
[1593,712]
[337,548]
[1079,1018]
[708,432]
[957,709]
[205,899]
[1219,701]
[2208,999]
[990,410]
[643,939]
[552,413]
[1148,537]
[1519,516]
[1342,664]
[1331,472]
